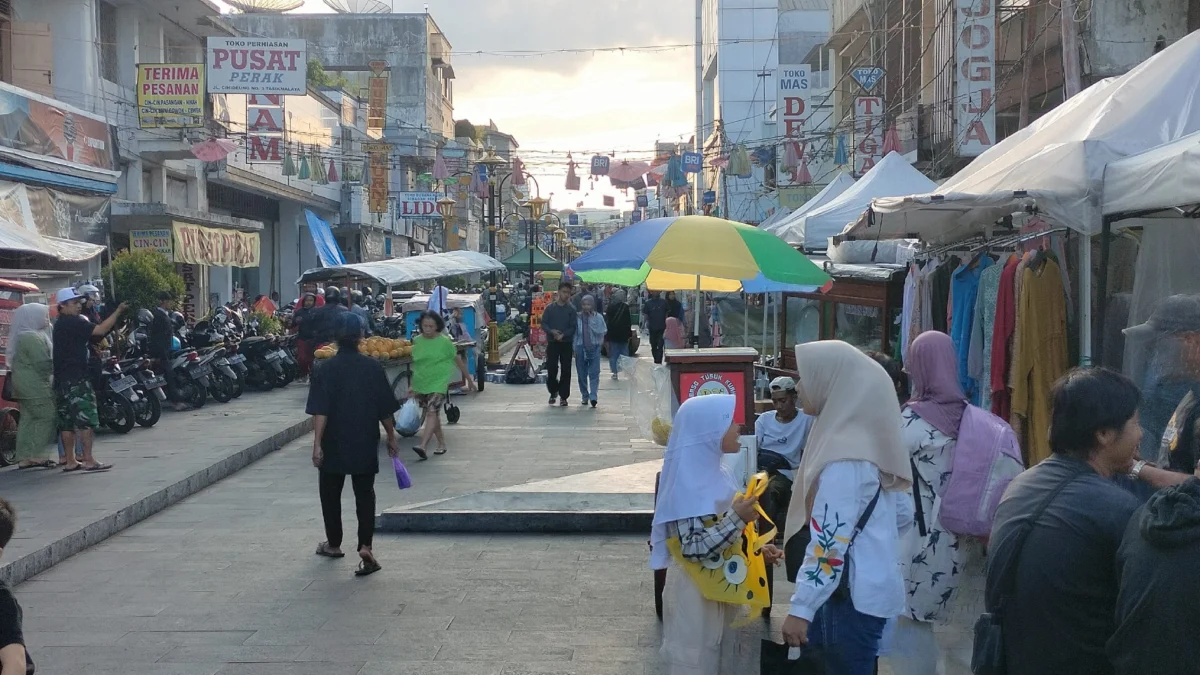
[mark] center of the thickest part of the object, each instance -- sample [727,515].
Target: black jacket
[160,334]
[619,321]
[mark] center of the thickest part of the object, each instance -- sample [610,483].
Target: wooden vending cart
[13,294]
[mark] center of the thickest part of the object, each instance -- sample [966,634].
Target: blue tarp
[326,245]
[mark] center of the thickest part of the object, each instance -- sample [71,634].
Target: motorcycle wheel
[9,419]
[221,388]
[286,377]
[121,415]
[149,410]
[194,395]
[239,385]
[260,380]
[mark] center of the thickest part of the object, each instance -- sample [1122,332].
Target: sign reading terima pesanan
[257,66]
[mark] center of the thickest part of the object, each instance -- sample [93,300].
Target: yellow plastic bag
[737,575]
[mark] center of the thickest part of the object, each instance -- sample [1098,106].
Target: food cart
[473,346]
[13,294]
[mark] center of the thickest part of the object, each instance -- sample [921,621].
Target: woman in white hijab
[31,366]
[854,465]
[693,490]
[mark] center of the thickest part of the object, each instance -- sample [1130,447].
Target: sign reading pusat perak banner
[257,66]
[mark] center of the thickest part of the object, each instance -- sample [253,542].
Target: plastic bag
[403,480]
[408,418]
[651,398]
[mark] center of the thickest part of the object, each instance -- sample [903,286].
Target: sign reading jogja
[692,385]
[975,77]
[804,112]
[170,95]
[245,65]
[417,205]
[868,132]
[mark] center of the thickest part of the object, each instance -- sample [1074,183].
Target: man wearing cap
[781,434]
[74,396]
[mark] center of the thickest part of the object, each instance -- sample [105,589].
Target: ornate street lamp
[446,207]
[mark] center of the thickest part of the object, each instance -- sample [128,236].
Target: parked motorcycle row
[218,357]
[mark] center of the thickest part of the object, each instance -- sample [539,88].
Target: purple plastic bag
[402,478]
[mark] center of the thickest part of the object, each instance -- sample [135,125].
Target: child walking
[697,517]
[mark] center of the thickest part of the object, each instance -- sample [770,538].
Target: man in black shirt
[655,312]
[326,318]
[160,336]
[349,398]
[13,658]
[74,396]
[559,323]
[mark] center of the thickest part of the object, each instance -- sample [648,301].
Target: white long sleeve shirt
[876,575]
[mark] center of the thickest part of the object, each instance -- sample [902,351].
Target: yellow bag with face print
[737,575]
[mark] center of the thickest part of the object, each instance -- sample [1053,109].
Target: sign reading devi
[257,66]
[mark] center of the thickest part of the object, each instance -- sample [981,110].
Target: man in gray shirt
[559,321]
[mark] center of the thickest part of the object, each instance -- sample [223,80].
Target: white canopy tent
[1057,162]
[774,218]
[893,176]
[1163,178]
[787,228]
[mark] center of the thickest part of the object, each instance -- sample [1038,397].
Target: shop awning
[1163,178]
[28,174]
[790,228]
[542,262]
[322,235]
[399,271]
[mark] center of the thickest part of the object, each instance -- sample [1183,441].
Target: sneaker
[562,403]
[614,376]
[554,399]
[593,403]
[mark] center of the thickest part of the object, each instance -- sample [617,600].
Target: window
[107,18]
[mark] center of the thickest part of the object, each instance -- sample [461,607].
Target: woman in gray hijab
[589,335]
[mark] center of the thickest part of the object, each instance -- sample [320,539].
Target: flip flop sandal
[421,452]
[323,549]
[44,464]
[67,469]
[367,568]
[440,451]
[97,468]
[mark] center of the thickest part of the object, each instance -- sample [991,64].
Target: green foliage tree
[319,78]
[464,129]
[140,276]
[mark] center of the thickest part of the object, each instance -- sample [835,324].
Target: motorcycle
[150,388]
[115,402]
[191,377]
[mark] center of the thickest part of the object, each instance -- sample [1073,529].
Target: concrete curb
[43,559]
[533,522]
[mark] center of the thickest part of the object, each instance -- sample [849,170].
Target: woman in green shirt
[434,359]
[31,366]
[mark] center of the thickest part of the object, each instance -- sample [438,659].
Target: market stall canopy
[407,270]
[1163,178]
[18,239]
[542,262]
[893,176]
[1058,161]
[789,228]
[774,219]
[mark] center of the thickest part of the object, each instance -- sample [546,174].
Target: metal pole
[529,245]
[1070,49]
[745,320]
[1085,300]
[696,316]
[492,246]
[1102,286]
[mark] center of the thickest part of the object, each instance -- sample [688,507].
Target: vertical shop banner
[245,65]
[805,115]
[380,156]
[264,128]
[170,96]
[692,385]
[377,95]
[42,126]
[152,240]
[189,306]
[868,132]
[975,77]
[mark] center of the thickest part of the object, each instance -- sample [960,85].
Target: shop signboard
[709,197]
[600,165]
[643,201]
[43,126]
[692,162]
[377,94]
[192,291]
[867,77]
[379,155]
[417,205]
[51,213]
[247,65]
[264,128]
[692,385]
[975,77]
[805,114]
[573,219]
[152,240]
[537,336]
[199,245]
[170,95]
[868,132]
[636,216]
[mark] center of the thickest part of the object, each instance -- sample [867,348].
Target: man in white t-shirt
[781,434]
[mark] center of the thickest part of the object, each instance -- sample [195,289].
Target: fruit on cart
[661,430]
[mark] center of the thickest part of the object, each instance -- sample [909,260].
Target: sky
[586,103]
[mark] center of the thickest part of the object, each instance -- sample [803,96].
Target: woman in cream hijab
[30,366]
[853,462]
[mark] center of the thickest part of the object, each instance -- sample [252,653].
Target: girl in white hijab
[693,490]
[853,459]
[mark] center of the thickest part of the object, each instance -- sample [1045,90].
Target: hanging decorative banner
[201,245]
[975,77]
[610,201]
[377,93]
[692,162]
[377,193]
[170,96]
[244,65]
[600,165]
[868,132]
[264,127]
[806,113]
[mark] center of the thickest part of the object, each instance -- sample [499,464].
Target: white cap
[783,383]
[66,295]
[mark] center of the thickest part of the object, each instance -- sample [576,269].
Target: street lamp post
[537,206]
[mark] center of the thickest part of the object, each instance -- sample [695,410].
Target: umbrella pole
[696,316]
[762,353]
[745,319]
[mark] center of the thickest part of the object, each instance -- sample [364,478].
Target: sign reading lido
[417,205]
[257,66]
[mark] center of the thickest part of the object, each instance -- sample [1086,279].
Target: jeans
[587,366]
[558,362]
[330,487]
[615,351]
[656,345]
[62,453]
[848,639]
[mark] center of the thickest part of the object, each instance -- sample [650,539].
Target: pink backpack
[986,458]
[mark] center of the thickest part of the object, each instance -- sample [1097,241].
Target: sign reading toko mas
[257,66]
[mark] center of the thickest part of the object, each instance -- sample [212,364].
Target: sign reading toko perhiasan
[257,66]
[417,205]
[975,77]
[170,95]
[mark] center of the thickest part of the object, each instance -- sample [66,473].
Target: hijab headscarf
[854,403]
[693,482]
[674,333]
[304,304]
[933,372]
[31,318]
[618,296]
[587,304]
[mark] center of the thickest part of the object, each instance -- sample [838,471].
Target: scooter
[115,402]
[150,388]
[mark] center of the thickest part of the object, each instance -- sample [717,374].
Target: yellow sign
[170,95]
[198,245]
[377,94]
[795,197]
[377,193]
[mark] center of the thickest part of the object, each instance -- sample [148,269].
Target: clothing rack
[979,243]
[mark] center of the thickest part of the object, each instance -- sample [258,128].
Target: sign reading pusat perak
[257,66]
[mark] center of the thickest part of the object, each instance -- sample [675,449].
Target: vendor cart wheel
[400,385]
[9,419]
[452,413]
[660,576]
[480,372]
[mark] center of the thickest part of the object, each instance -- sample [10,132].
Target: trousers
[330,486]
[656,345]
[615,351]
[587,365]
[558,369]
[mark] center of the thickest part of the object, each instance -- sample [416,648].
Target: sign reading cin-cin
[257,66]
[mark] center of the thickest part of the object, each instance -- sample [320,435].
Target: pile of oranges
[380,348]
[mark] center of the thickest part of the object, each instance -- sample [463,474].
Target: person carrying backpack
[944,567]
